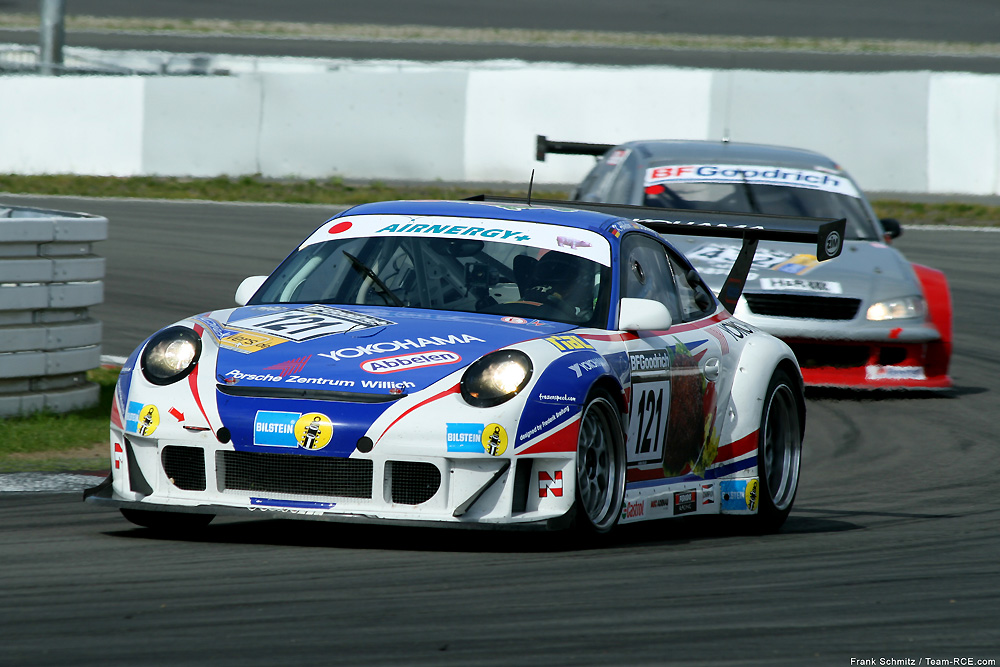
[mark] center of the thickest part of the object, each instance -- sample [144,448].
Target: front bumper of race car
[888,365]
[866,355]
[203,476]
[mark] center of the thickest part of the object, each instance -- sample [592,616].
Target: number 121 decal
[648,421]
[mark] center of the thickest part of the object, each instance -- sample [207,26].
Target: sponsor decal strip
[561,439]
[582,242]
[737,455]
[740,173]
[678,328]
[724,344]
[299,504]
[542,427]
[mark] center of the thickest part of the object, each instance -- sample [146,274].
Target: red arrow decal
[178,415]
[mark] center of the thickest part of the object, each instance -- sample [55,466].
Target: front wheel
[600,466]
[779,451]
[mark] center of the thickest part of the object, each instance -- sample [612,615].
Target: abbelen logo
[409,361]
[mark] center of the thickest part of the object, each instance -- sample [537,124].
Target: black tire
[600,466]
[168,522]
[779,451]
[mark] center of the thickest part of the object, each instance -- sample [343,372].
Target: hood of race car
[866,270]
[356,349]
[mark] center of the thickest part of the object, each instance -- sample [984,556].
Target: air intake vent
[815,355]
[413,482]
[185,466]
[802,307]
[296,474]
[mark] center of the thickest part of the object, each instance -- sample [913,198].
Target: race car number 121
[648,421]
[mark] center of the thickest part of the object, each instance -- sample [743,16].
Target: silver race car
[868,319]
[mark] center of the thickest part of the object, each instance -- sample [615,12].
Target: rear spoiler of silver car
[826,233]
[543,147]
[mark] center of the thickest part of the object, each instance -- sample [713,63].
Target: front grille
[850,355]
[185,466]
[413,482]
[803,307]
[296,474]
[819,355]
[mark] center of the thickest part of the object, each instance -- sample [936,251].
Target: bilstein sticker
[141,419]
[750,495]
[464,437]
[312,430]
[494,439]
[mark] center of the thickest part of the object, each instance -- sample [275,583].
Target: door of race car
[673,400]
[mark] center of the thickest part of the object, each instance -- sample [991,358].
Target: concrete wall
[918,132]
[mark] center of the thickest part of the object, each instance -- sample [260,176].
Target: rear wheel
[600,465]
[167,521]
[779,451]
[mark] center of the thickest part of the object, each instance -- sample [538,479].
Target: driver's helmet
[565,278]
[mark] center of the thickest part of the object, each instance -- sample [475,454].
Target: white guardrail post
[49,277]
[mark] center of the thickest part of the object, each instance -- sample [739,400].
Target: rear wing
[543,147]
[826,233]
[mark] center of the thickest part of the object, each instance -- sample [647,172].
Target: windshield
[456,274]
[834,197]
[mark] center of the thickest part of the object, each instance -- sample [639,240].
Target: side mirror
[248,288]
[643,314]
[892,228]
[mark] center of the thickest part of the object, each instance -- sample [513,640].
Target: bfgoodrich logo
[408,361]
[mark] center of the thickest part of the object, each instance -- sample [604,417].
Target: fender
[938,296]
[555,400]
[760,357]
[935,286]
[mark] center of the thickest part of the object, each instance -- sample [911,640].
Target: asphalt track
[890,552]
[955,20]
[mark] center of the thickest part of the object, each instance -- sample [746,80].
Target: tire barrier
[49,277]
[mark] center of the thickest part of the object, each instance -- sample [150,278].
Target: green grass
[46,441]
[337,191]
[942,213]
[243,188]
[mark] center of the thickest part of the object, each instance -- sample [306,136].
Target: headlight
[894,309]
[170,355]
[496,378]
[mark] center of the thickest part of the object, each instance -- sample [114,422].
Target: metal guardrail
[49,277]
[26,59]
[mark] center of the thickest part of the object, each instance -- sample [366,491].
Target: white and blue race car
[469,363]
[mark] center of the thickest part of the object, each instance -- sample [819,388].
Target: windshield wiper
[386,292]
